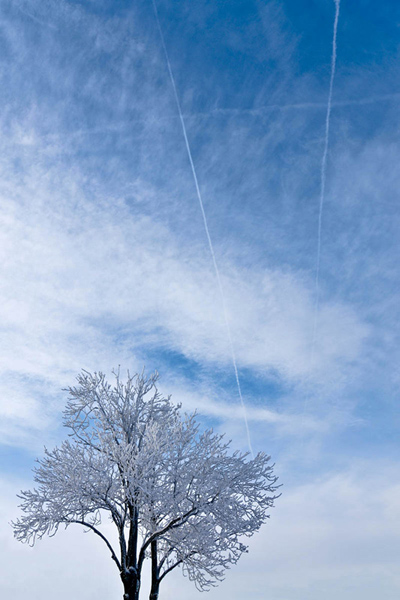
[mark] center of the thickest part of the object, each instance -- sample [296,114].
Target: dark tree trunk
[131,592]
[155,582]
[155,589]
[154,593]
[133,535]
[131,585]
[131,577]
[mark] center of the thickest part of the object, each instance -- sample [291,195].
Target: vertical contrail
[322,195]
[196,183]
[323,175]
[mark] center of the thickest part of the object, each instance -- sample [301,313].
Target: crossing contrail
[258,111]
[323,176]
[210,244]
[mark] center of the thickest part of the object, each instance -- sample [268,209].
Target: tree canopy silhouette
[177,495]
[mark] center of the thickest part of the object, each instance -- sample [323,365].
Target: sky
[105,262]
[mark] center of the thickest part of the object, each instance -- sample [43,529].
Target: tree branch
[170,569]
[97,532]
[171,525]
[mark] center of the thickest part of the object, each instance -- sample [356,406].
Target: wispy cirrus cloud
[104,261]
[104,253]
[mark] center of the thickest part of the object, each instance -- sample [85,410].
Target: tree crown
[175,493]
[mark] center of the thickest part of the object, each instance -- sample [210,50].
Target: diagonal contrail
[210,244]
[323,176]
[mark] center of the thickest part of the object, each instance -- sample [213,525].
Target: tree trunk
[155,589]
[131,589]
[131,579]
[155,582]
[154,593]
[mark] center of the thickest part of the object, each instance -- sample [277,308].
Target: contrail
[322,195]
[260,110]
[252,112]
[196,183]
[323,176]
[34,18]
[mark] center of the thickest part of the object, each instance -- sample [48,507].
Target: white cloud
[79,277]
[336,534]
[65,296]
[103,260]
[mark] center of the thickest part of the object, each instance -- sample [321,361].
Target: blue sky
[105,261]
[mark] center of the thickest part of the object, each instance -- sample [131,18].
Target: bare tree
[176,496]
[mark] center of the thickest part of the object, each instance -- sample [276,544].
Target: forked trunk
[131,589]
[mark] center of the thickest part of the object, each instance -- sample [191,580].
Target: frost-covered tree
[177,496]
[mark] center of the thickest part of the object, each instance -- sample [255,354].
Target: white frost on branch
[176,495]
